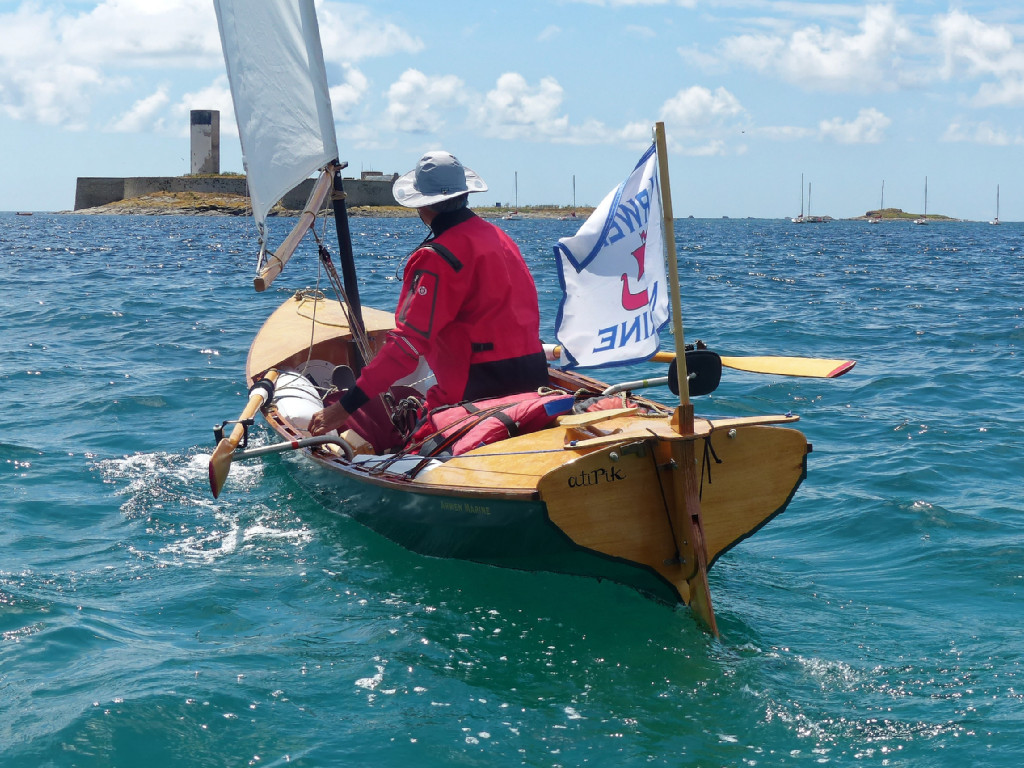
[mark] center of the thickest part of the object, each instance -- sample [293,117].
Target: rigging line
[678,558]
[357,329]
[358,332]
[508,453]
[384,463]
[709,449]
[317,294]
[312,319]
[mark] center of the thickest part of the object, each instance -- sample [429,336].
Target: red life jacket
[463,427]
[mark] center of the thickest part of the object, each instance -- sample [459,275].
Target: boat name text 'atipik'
[595,477]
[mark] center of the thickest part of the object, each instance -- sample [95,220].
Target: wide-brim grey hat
[438,176]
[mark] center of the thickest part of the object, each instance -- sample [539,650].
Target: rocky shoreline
[206,204]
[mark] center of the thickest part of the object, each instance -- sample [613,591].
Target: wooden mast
[348,266]
[684,511]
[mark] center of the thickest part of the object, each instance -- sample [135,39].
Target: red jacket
[469,307]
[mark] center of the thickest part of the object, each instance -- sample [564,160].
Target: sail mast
[668,226]
[348,267]
[684,511]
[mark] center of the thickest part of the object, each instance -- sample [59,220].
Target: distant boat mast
[924,218]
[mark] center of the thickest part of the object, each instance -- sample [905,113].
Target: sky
[553,102]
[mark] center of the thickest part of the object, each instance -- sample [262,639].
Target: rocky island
[224,204]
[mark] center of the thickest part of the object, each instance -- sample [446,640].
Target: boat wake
[169,493]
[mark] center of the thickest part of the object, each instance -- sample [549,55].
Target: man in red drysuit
[468,304]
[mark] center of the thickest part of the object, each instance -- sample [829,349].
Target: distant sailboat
[812,219]
[996,219]
[800,219]
[881,207]
[515,211]
[573,214]
[924,218]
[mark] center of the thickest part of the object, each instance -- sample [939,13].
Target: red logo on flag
[634,301]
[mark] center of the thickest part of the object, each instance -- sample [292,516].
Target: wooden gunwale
[764,465]
[284,341]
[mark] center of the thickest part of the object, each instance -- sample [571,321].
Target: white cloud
[698,107]
[785,133]
[53,66]
[37,84]
[56,63]
[695,57]
[981,133]
[549,32]
[347,96]
[867,128]
[143,115]
[1008,92]
[832,59]
[350,33]
[515,110]
[215,96]
[417,103]
[697,120]
[142,33]
[975,48]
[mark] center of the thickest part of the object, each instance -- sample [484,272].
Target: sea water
[878,621]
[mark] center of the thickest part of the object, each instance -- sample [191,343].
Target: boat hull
[599,495]
[505,532]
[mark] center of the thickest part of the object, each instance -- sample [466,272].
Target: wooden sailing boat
[924,218]
[996,219]
[646,495]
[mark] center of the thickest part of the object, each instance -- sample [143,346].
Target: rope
[709,449]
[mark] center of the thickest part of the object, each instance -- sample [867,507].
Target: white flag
[612,271]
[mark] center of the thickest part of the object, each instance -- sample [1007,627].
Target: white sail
[279,87]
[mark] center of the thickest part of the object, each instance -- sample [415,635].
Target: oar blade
[810,367]
[220,465]
[220,461]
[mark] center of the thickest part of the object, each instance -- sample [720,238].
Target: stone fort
[372,188]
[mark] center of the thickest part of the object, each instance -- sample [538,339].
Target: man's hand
[332,417]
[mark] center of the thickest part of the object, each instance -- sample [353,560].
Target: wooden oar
[808,367]
[294,445]
[220,461]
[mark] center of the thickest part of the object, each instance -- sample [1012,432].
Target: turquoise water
[877,622]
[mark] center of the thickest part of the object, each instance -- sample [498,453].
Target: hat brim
[407,195]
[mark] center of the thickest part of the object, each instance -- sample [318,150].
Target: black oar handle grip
[266,385]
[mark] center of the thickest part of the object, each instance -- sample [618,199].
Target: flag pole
[673,268]
[687,524]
